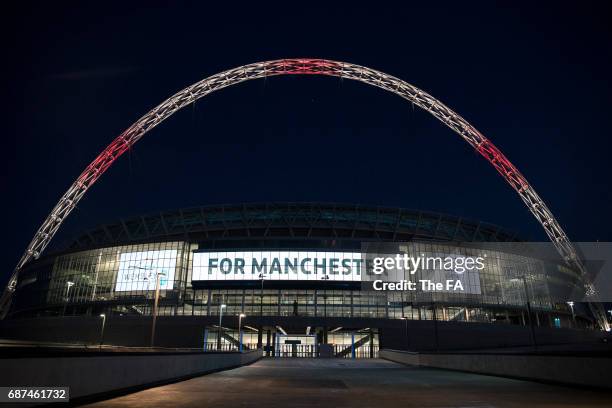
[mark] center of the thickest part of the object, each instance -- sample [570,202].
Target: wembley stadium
[143,281]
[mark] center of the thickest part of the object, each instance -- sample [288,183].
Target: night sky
[535,80]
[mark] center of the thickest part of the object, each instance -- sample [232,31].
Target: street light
[533,336]
[261,278]
[240,316]
[435,319]
[571,305]
[103,316]
[157,288]
[260,333]
[69,284]
[405,319]
[221,307]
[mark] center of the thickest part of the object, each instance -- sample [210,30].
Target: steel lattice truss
[299,67]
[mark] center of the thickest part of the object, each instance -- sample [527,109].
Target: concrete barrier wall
[188,331]
[89,375]
[428,336]
[399,356]
[583,371]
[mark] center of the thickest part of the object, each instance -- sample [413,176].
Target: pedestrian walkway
[316,383]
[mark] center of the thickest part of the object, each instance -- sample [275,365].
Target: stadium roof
[291,221]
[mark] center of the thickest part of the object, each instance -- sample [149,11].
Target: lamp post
[435,319]
[405,319]
[261,278]
[571,305]
[533,336]
[93,292]
[221,307]
[240,316]
[103,316]
[69,284]
[259,336]
[157,276]
[325,278]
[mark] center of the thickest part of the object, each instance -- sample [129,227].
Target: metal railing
[225,346]
[365,351]
[297,350]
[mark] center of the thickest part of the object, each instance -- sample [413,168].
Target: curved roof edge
[292,220]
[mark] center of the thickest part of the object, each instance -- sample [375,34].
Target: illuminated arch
[297,67]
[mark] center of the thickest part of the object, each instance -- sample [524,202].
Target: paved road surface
[316,383]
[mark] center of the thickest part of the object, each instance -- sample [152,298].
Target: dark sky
[534,79]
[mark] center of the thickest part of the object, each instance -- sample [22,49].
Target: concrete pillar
[259,337]
[319,334]
[274,344]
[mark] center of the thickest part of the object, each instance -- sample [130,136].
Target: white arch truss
[302,66]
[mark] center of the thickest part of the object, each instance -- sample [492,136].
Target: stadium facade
[118,270]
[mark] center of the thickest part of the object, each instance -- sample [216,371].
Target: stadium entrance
[325,342]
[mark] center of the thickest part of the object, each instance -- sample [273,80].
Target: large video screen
[277,265]
[138,270]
